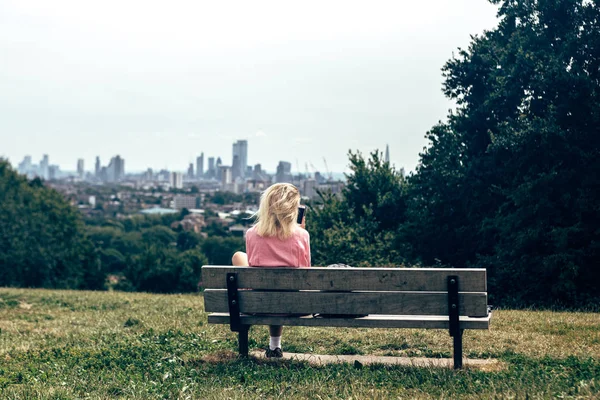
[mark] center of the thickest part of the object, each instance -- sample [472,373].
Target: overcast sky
[158,82]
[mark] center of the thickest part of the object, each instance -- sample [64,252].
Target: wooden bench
[424,298]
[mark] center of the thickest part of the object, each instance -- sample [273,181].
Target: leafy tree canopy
[42,243]
[510,181]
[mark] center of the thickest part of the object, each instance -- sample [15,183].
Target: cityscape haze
[237,178]
[159,85]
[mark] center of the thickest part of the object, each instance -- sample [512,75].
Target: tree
[187,240]
[510,181]
[164,270]
[42,242]
[159,235]
[219,250]
[359,228]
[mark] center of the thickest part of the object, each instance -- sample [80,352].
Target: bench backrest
[393,291]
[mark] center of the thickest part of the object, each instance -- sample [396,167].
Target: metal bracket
[233,302]
[453,305]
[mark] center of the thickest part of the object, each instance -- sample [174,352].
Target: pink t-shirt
[273,252]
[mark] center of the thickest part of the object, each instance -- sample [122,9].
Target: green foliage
[187,240]
[359,228]
[374,192]
[219,250]
[152,258]
[511,181]
[42,243]
[159,235]
[163,270]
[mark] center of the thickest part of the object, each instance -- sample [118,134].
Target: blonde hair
[278,211]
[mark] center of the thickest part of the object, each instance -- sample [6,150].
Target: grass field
[104,345]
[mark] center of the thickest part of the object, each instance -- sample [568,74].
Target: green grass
[105,345]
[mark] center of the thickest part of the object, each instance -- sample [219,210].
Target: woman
[276,240]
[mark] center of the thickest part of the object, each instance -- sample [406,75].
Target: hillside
[77,344]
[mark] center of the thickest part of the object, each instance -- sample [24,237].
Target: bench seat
[370,321]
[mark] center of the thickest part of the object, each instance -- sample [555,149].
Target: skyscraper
[235,167]
[176,180]
[45,167]
[218,168]
[190,171]
[211,167]
[116,169]
[240,149]
[284,172]
[200,166]
[98,168]
[25,166]
[387,153]
[80,170]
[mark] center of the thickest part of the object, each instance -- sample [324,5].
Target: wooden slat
[346,279]
[371,321]
[309,302]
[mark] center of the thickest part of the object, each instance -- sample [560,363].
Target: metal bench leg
[243,340]
[458,349]
[454,319]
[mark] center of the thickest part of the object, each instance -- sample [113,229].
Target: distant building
[284,172]
[211,168]
[189,202]
[80,170]
[310,188]
[190,171]
[116,169]
[53,171]
[226,174]
[25,167]
[235,169]
[176,180]
[240,150]
[257,172]
[387,153]
[98,168]
[200,166]
[44,171]
[148,176]
[163,175]
[191,222]
[256,185]
[218,169]
[238,230]
[158,211]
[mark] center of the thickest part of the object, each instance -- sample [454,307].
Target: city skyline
[83,166]
[160,84]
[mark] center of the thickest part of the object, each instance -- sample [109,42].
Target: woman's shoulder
[301,232]
[251,232]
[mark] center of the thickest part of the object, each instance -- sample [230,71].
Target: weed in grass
[346,348]
[131,322]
